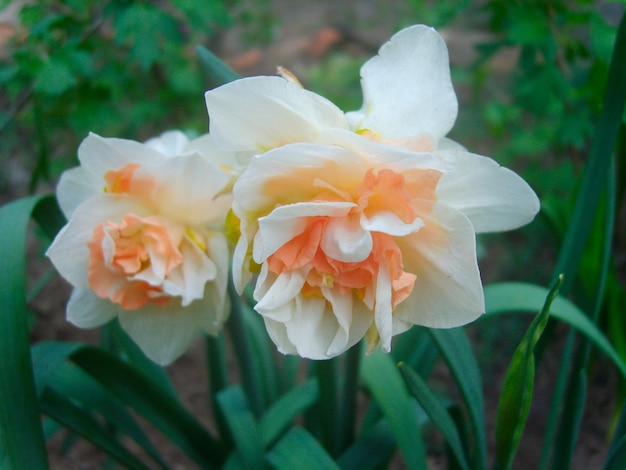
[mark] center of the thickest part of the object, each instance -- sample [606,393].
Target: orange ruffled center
[121,253]
[385,191]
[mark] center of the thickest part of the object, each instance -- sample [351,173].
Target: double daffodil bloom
[362,224]
[144,241]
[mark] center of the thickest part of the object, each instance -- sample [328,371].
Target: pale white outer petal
[170,143]
[163,332]
[187,190]
[76,185]
[493,197]
[98,155]
[407,90]
[261,113]
[231,163]
[448,290]
[86,310]
[69,251]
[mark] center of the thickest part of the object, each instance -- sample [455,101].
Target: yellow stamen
[197,238]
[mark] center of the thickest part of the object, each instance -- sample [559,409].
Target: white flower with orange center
[144,241]
[361,239]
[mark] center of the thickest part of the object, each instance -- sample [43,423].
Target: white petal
[162,332]
[186,189]
[290,173]
[98,155]
[353,320]
[382,311]
[232,163]
[275,297]
[345,240]
[170,143]
[261,113]
[286,222]
[216,290]
[448,291]
[69,251]
[390,223]
[381,154]
[277,332]
[493,197]
[449,144]
[407,88]
[86,310]
[75,187]
[190,278]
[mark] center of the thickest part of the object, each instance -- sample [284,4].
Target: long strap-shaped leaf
[298,449]
[518,386]
[456,350]
[386,385]
[519,297]
[22,443]
[136,390]
[436,411]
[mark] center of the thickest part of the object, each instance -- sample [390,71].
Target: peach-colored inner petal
[385,191]
[118,251]
[118,181]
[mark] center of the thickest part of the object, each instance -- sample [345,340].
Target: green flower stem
[347,416]
[217,369]
[250,377]
[327,378]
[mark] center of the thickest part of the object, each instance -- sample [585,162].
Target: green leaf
[285,409]
[54,78]
[136,390]
[64,411]
[597,167]
[72,382]
[298,449]
[146,28]
[218,72]
[616,458]
[242,425]
[385,383]
[518,387]
[436,411]
[519,297]
[456,350]
[21,435]
[371,450]
[49,216]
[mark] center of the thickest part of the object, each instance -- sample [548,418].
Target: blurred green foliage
[123,68]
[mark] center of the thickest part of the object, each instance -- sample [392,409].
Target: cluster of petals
[361,224]
[144,239]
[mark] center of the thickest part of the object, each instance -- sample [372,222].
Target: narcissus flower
[144,241]
[362,223]
[361,239]
[408,101]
